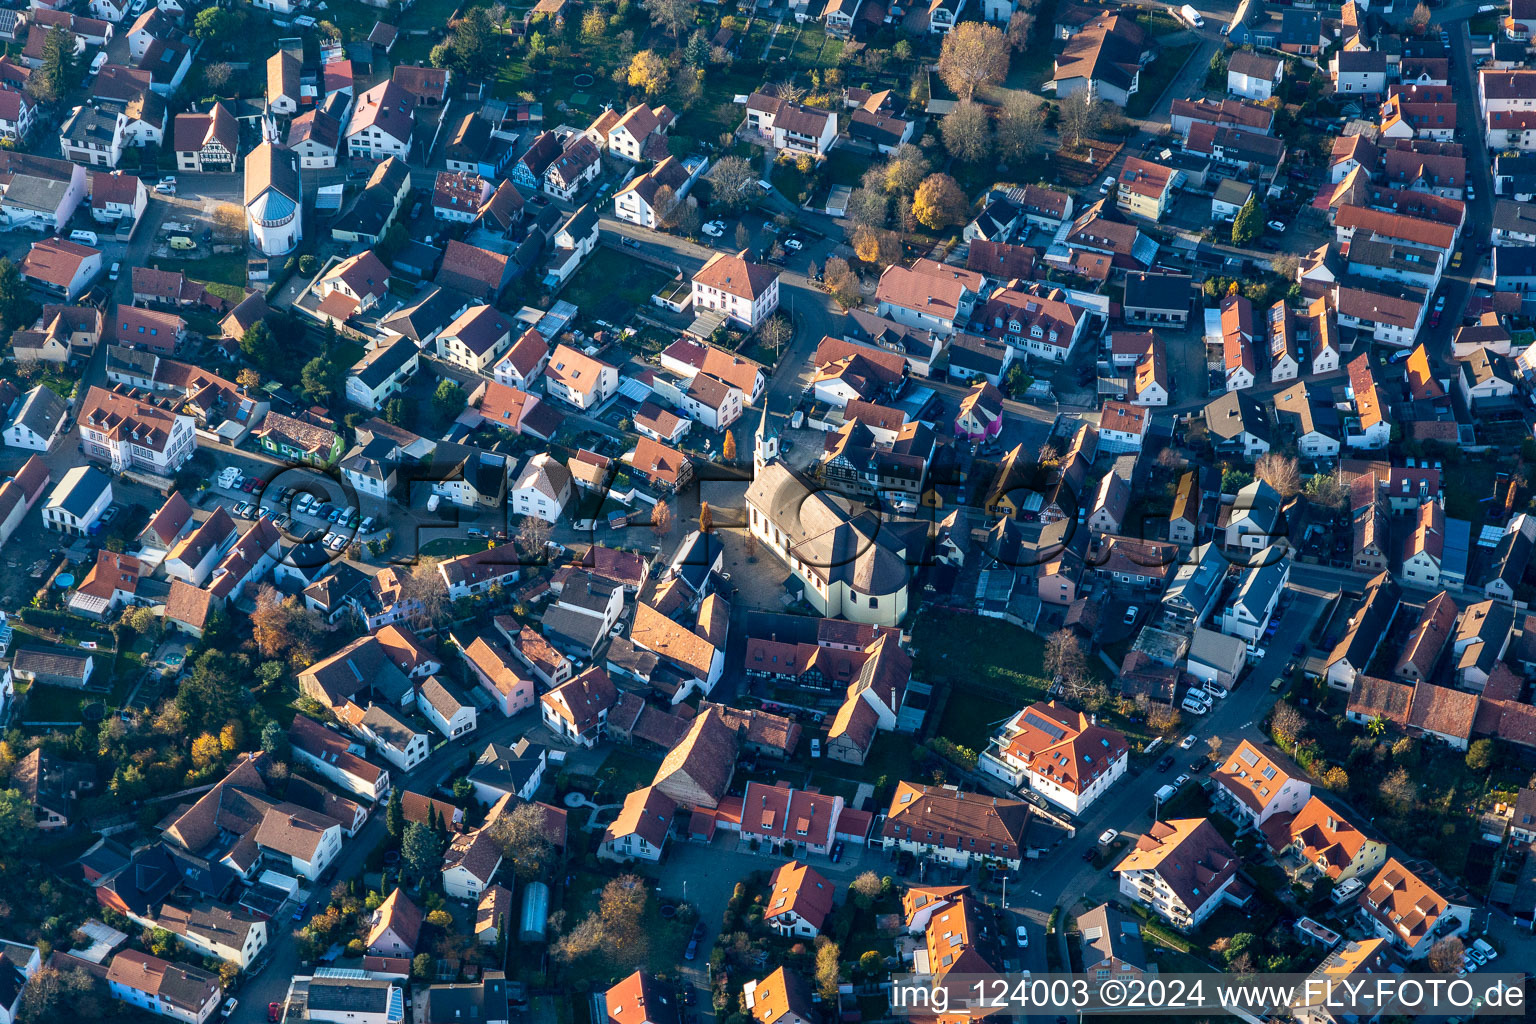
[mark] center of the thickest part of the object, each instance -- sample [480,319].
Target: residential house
[207,143]
[785,125]
[1413,908]
[1180,869]
[956,828]
[1059,753]
[641,829]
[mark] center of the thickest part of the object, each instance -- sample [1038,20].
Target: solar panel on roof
[1046,726]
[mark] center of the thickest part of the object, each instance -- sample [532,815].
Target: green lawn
[1467,483]
[612,284]
[451,547]
[969,652]
[1156,77]
[223,276]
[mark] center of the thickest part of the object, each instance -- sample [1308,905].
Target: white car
[714,229]
[1277,225]
[1471,192]
[793,244]
[1178,783]
[1021,936]
[1130,615]
[165,190]
[1187,742]
[1109,836]
[338,542]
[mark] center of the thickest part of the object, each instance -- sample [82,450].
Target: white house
[627,139]
[395,740]
[163,988]
[382,373]
[1179,869]
[641,829]
[36,420]
[382,123]
[746,292]
[78,501]
[1252,75]
[785,125]
[127,433]
[1251,787]
[542,488]
[449,713]
[1408,909]
[580,380]
[1059,753]
[1258,592]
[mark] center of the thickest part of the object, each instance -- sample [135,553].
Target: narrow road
[282,956]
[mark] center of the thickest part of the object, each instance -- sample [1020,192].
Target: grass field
[1156,76]
[223,276]
[611,284]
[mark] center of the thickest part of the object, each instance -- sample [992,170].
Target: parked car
[229,1007]
[298,914]
[1178,783]
[837,851]
[1187,742]
[274,1012]
[1108,836]
[1277,225]
[692,952]
[1021,936]
[1130,615]
[1165,763]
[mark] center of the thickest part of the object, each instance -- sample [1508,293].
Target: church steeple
[765,444]
[269,126]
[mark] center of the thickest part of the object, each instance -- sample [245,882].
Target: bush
[308,265]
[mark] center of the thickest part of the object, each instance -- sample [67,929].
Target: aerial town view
[681,512]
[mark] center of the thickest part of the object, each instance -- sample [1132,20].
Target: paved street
[1062,875]
[282,958]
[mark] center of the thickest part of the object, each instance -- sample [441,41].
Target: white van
[83,237]
[98,62]
[1194,707]
[1215,689]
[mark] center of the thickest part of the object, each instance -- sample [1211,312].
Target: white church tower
[765,444]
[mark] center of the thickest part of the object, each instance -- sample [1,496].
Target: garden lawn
[611,285]
[223,276]
[1467,483]
[55,703]
[972,653]
[1156,77]
[451,547]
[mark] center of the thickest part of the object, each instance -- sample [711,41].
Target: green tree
[828,964]
[448,399]
[421,849]
[257,343]
[16,306]
[16,821]
[400,413]
[939,202]
[318,380]
[474,46]
[59,63]
[274,739]
[215,691]
[1248,223]
[1480,755]
[394,817]
[218,24]
[421,966]
[696,53]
